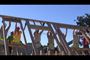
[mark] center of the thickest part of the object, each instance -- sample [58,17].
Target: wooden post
[46,53]
[62,39]
[21,54]
[76,53]
[41,52]
[62,52]
[5,42]
[23,33]
[32,38]
[89,52]
[83,53]
[59,43]
[55,52]
[49,52]
[17,53]
[24,36]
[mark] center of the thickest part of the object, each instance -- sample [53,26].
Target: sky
[54,13]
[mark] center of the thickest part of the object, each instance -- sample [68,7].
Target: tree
[83,20]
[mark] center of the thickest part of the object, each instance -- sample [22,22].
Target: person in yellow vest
[50,40]
[16,40]
[17,35]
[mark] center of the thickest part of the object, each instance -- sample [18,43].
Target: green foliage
[83,20]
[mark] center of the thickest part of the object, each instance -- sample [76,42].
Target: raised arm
[41,32]
[70,42]
[66,32]
[15,26]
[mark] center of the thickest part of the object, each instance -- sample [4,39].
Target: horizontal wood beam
[68,26]
[39,27]
[6,18]
[82,49]
[19,18]
[62,25]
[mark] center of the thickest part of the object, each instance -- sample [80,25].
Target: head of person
[75,31]
[12,33]
[17,28]
[49,31]
[37,30]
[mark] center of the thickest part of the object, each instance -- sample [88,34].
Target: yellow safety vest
[17,36]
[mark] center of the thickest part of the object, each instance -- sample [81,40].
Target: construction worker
[85,38]
[76,39]
[85,42]
[50,40]
[17,35]
[10,40]
[16,40]
[85,45]
[37,39]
